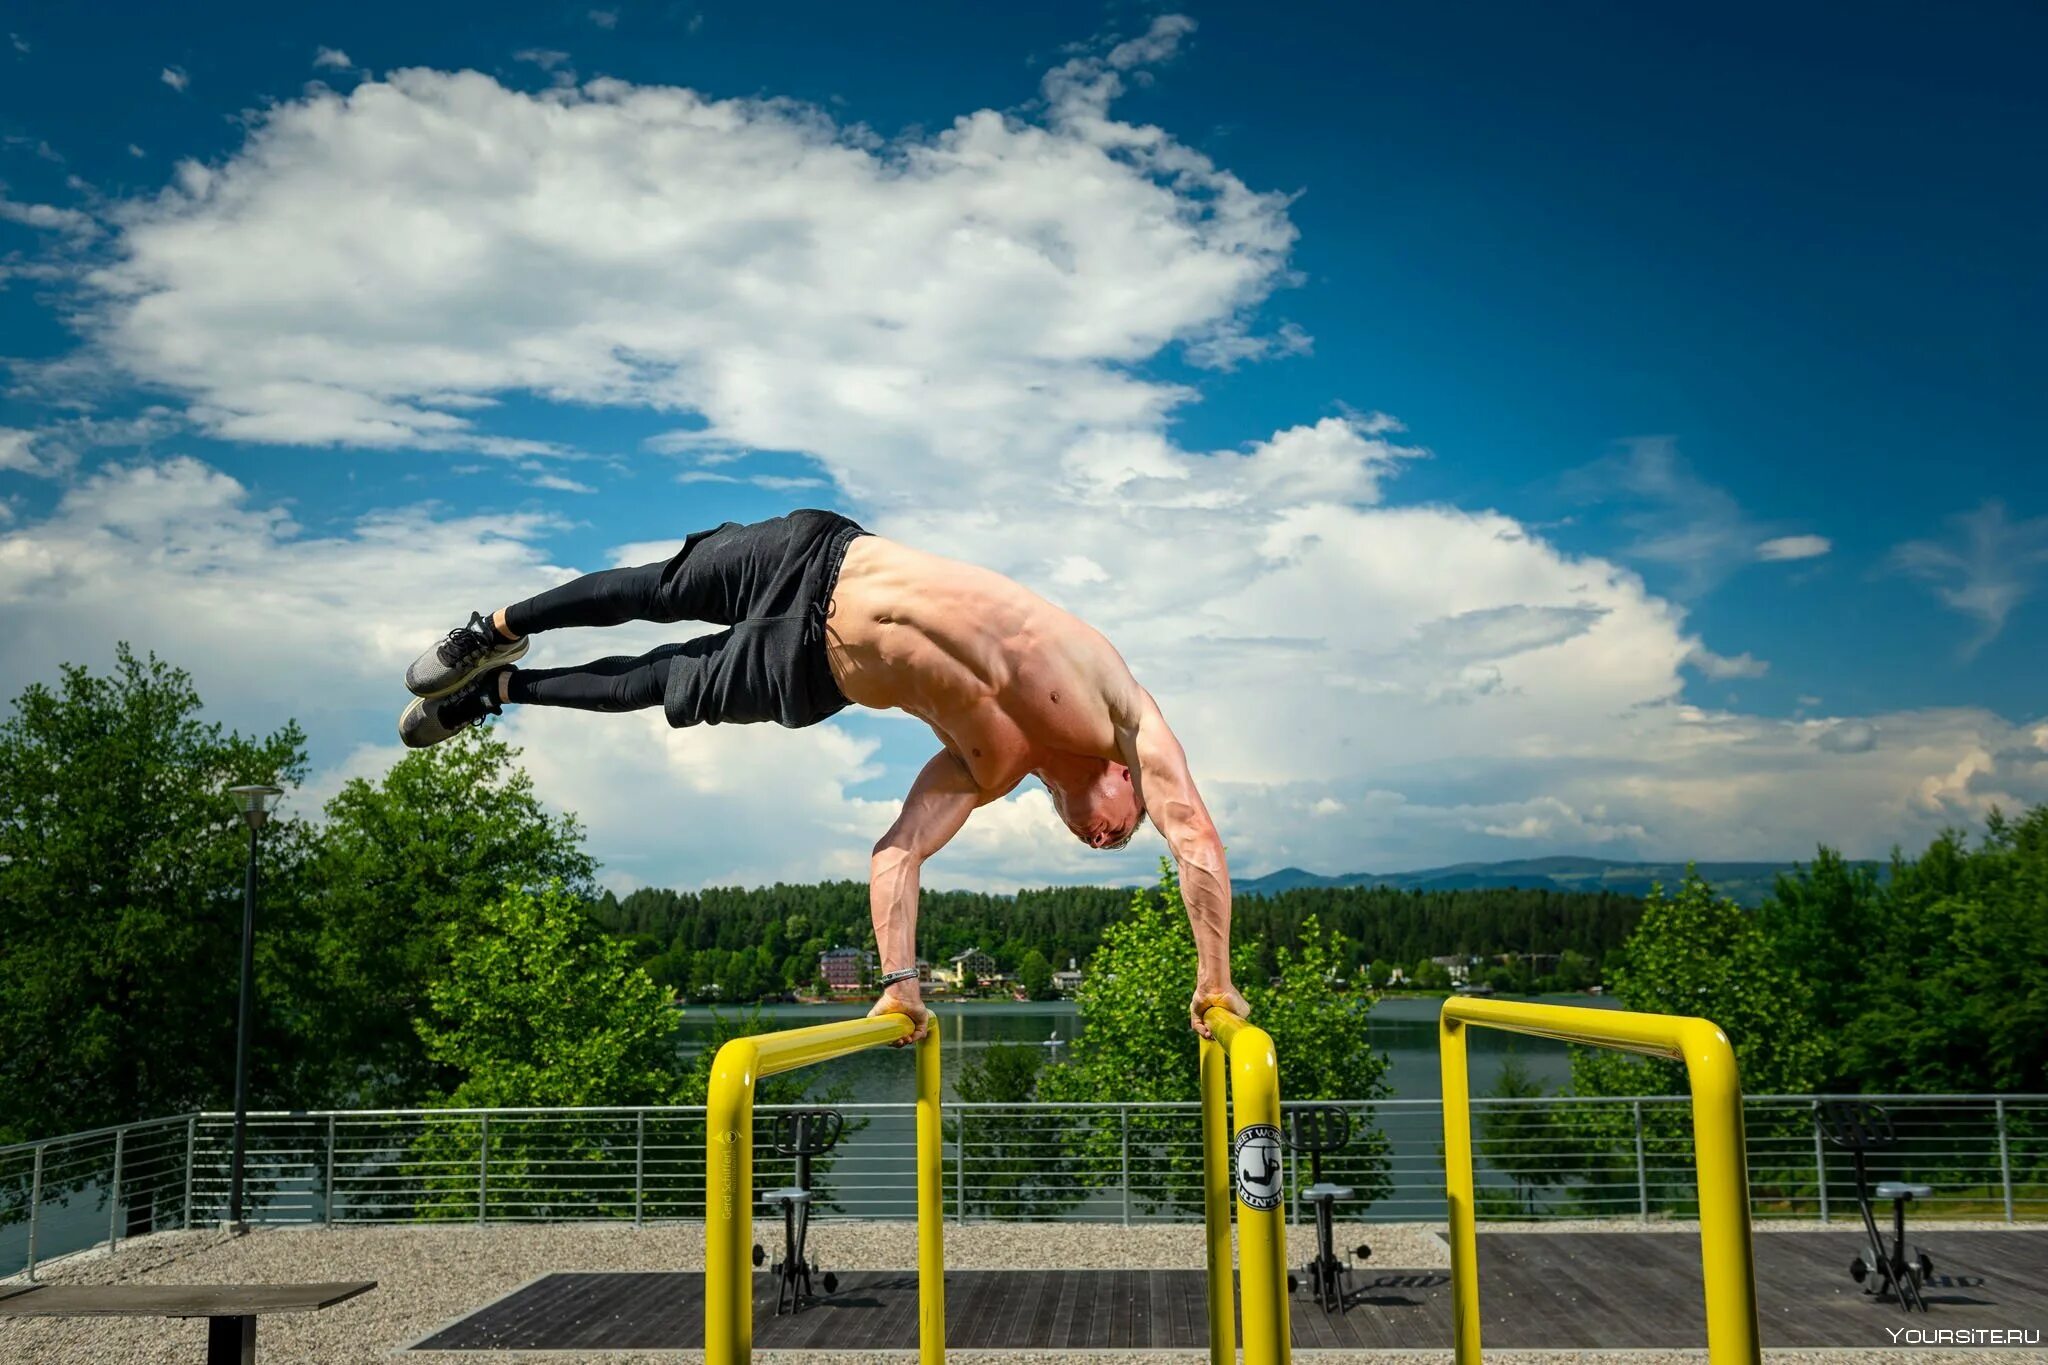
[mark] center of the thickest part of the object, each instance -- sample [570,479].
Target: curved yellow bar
[1726,1253]
[729,1175]
[1261,1232]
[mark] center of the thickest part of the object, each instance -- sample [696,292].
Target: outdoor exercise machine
[1319,1130]
[803,1134]
[1727,1258]
[1863,1127]
[1242,1164]
[729,1176]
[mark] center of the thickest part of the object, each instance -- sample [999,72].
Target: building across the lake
[843,968]
[973,964]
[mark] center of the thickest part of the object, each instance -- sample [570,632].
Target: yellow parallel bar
[931,1212]
[1261,1232]
[1216,1202]
[1726,1252]
[729,1165]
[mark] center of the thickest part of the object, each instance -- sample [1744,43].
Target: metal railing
[1985,1155]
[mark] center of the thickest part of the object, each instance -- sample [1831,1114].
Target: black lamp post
[256,804]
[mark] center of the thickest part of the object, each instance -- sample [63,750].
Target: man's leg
[706,580]
[620,683]
[615,684]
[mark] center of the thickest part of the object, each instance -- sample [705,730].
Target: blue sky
[1732,317]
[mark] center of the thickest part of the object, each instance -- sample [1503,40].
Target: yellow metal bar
[1458,1188]
[1726,1252]
[1216,1202]
[729,1169]
[931,1212]
[1261,1187]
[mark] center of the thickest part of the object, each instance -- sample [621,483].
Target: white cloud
[332,57]
[1720,666]
[136,151]
[19,43]
[71,222]
[559,484]
[952,328]
[1986,568]
[546,58]
[1794,547]
[17,451]
[605,18]
[175,77]
[1679,520]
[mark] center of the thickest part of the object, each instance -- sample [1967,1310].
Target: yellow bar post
[1727,1255]
[729,1174]
[1261,1188]
[1458,1193]
[1216,1203]
[931,1211]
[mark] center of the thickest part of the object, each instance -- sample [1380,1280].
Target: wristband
[891,978]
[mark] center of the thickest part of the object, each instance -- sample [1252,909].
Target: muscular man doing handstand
[819,615]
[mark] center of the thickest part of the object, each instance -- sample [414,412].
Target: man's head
[1098,801]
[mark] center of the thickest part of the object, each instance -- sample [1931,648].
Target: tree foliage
[121,864]
[403,872]
[1135,1044]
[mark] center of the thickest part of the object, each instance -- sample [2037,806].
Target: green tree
[121,861]
[1698,954]
[1034,974]
[1007,1174]
[404,869]
[1524,1142]
[539,1009]
[1135,1044]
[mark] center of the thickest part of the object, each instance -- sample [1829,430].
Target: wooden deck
[1582,1291]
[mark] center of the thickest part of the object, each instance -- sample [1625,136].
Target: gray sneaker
[459,656]
[429,720]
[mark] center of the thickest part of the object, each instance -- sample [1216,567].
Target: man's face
[1103,812]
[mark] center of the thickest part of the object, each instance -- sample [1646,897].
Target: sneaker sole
[508,654]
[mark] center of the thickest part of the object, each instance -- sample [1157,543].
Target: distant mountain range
[1745,883]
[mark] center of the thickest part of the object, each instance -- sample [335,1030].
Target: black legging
[608,598]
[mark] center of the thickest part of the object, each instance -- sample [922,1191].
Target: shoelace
[464,642]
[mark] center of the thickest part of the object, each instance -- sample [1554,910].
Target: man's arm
[1159,767]
[940,800]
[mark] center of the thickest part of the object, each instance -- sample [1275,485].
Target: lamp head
[256,803]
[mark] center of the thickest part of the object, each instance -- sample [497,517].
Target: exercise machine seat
[1895,1189]
[788,1194]
[1317,1193]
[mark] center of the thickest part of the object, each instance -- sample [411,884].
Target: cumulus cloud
[1984,568]
[952,329]
[333,58]
[175,77]
[605,18]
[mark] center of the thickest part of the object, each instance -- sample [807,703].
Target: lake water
[1403,1029]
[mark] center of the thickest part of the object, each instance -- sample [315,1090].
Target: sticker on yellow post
[1259,1179]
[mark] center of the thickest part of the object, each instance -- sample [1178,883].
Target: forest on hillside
[736,943]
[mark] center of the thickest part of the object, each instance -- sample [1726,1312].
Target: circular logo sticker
[1258,1166]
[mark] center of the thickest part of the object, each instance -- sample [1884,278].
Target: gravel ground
[429,1276]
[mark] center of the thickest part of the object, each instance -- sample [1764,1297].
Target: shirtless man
[820,614]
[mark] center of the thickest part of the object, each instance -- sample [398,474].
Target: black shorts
[771,585]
